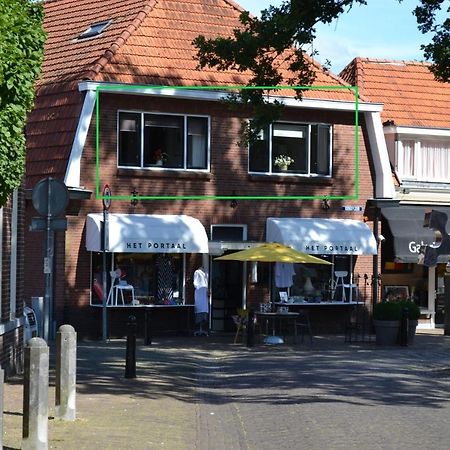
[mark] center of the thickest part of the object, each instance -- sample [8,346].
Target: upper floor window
[423,160]
[305,147]
[172,141]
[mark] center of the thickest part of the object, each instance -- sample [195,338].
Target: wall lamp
[325,204]
[134,201]
[233,203]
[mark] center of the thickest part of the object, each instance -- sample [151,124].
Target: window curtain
[433,162]
[405,159]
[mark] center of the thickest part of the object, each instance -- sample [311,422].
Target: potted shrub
[386,320]
[413,314]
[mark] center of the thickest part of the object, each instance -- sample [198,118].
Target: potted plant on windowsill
[159,157]
[386,320]
[283,162]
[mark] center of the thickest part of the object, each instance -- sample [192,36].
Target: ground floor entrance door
[226,293]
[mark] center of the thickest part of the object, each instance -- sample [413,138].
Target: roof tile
[408,90]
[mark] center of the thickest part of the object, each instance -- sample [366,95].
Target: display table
[327,317]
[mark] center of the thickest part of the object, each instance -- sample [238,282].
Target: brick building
[101,99]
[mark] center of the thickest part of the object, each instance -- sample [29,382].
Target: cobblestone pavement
[208,394]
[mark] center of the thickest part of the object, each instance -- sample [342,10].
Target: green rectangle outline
[98,195]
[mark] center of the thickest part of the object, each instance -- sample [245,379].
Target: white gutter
[384,185]
[73,170]
[219,93]
[417,131]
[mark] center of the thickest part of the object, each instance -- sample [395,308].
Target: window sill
[164,173]
[291,179]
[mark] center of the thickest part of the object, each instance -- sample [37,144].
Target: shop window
[166,140]
[157,278]
[292,148]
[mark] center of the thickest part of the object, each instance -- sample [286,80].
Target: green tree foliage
[438,51]
[278,39]
[21,52]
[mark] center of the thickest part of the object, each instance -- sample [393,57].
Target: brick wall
[228,174]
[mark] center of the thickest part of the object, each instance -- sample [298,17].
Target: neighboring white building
[416,123]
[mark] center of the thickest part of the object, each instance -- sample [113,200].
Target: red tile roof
[408,90]
[148,42]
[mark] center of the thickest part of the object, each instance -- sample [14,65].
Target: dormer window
[95,29]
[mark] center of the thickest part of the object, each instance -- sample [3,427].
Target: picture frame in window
[283,297]
[396,293]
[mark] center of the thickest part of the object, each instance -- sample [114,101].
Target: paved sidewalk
[208,394]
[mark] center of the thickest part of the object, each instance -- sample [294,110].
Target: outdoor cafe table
[277,318]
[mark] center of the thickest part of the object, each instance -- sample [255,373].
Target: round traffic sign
[106,197]
[50,197]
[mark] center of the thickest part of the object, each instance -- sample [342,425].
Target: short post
[251,328]
[2,396]
[35,396]
[147,327]
[130,362]
[404,327]
[66,373]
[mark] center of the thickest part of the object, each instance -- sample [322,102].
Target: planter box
[387,331]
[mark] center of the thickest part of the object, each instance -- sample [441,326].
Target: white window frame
[305,175]
[399,149]
[185,139]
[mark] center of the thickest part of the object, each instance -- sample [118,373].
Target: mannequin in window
[201,300]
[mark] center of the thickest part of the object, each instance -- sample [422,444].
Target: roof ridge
[108,54]
[392,61]
[235,5]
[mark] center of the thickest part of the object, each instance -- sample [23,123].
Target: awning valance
[406,226]
[141,233]
[322,236]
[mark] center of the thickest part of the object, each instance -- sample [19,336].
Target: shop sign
[155,247]
[414,247]
[339,249]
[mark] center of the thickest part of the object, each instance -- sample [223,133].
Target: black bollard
[251,328]
[404,327]
[130,362]
[148,327]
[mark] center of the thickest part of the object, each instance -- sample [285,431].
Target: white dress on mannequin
[201,291]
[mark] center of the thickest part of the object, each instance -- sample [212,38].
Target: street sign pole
[48,270]
[50,198]
[105,241]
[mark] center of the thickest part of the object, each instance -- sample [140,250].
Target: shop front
[330,292]
[146,264]
[402,275]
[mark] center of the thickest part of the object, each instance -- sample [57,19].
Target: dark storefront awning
[409,234]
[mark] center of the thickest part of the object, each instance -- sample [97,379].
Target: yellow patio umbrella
[272,252]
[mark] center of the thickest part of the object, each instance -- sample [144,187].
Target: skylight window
[95,29]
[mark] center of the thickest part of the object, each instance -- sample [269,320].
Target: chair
[124,286]
[120,286]
[339,283]
[303,325]
[240,320]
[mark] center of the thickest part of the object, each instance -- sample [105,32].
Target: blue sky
[381,29]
